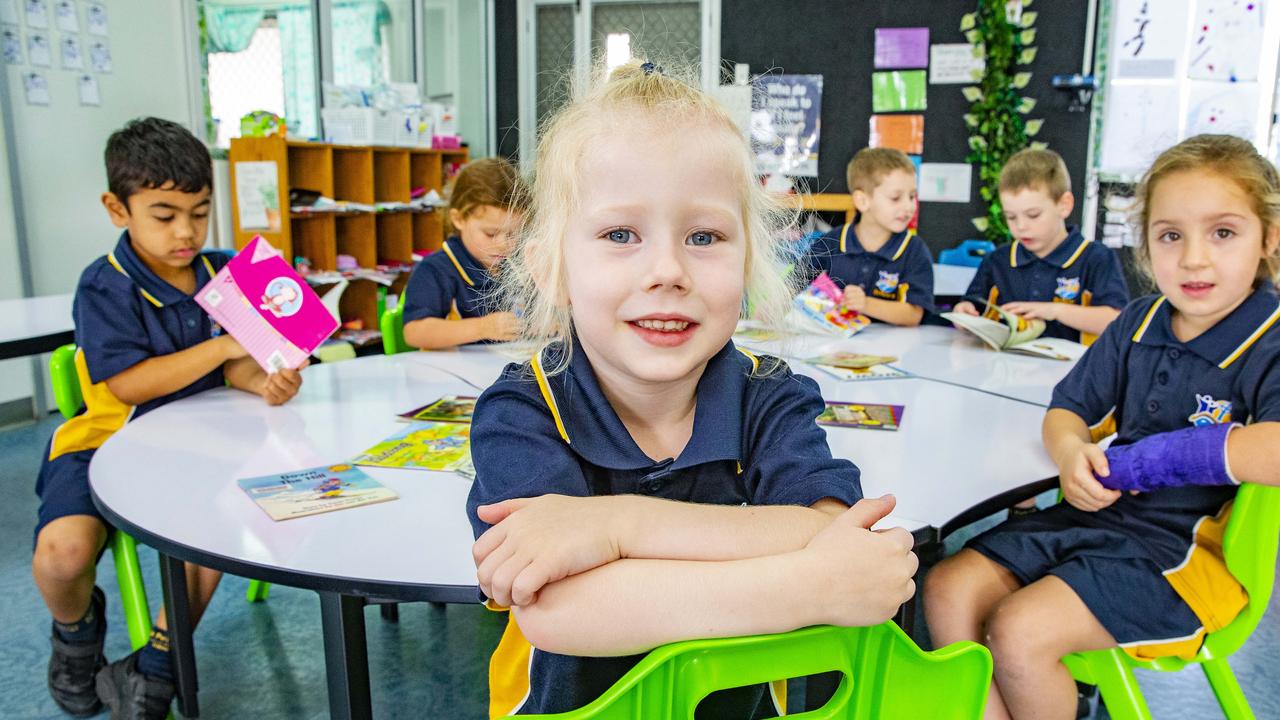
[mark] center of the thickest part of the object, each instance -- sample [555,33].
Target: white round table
[34,325]
[168,478]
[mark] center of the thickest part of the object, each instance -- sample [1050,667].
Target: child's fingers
[497,512]
[487,542]
[525,587]
[1098,460]
[505,575]
[900,538]
[488,567]
[868,511]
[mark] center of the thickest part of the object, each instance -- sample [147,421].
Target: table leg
[177,610]
[346,656]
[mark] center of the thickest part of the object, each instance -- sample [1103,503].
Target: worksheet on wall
[1135,135]
[1150,38]
[1226,41]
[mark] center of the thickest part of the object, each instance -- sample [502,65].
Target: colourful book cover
[267,307]
[861,415]
[450,408]
[315,490]
[875,372]
[822,305]
[852,360]
[422,446]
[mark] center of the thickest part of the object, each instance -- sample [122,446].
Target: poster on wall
[900,132]
[898,91]
[11,45]
[257,195]
[95,18]
[1226,40]
[9,12]
[955,64]
[37,12]
[100,56]
[945,182]
[1134,135]
[38,51]
[786,120]
[902,48]
[1149,38]
[1223,108]
[90,96]
[72,58]
[66,18]
[36,87]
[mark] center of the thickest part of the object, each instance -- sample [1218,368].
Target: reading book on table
[450,408]
[423,446]
[861,415]
[267,307]
[821,307]
[1016,334]
[315,490]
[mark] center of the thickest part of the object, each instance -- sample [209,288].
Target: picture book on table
[422,446]
[315,490]
[1005,331]
[857,366]
[267,307]
[450,408]
[861,415]
[821,307]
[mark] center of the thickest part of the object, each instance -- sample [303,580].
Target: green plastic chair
[391,323]
[886,675]
[124,549]
[1249,546]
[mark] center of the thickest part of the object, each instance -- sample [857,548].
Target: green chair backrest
[1249,545]
[66,383]
[885,675]
[391,323]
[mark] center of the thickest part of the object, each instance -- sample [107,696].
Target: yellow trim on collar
[111,258]
[1146,321]
[541,376]
[208,266]
[1013,254]
[465,278]
[1075,255]
[903,247]
[755,361]
[844,233]
[1235,354]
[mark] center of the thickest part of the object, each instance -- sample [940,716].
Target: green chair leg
[1227,689]
[257,591]
[133,595]
[1116,683]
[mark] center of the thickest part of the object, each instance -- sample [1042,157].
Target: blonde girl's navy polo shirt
[754,442]
[448,284]
[1077,272]
[901,270]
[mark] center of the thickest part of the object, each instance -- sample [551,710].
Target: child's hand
[1046,311]
[965,308]
[860,576]
[536,541]
[280,387]
[855,298]
[1079,470]
[231,348]
[502,326]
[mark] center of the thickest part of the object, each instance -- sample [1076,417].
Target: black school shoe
[132,695]
[73,666]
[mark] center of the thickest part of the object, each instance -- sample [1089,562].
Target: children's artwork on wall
[1134,134]
[90,96]
[1226,40]
[1224,108]
[11,45]
[900,132]
[67,19]
[95,18]
[902,48]
[37,12]
[38,51]
[898,91]
[1150,37]
[786,114]
[36,87]
[69,51]
[945,182]
[9,12]
[100,56]
[955,64]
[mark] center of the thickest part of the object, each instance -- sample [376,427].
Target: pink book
[267,307]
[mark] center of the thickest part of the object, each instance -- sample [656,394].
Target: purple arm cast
[1190,456]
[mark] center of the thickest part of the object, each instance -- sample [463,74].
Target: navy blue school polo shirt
[448,284]
[125,314]
[754,442]
[1140,377]
[1076,272]
[901,270]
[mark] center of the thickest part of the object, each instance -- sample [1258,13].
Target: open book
[820,307]
[1016,334]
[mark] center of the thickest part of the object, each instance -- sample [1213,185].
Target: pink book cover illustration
[267,307]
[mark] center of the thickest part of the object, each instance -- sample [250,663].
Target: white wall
[59,147]
[15,374]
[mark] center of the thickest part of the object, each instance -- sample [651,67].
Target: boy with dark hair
[144,342]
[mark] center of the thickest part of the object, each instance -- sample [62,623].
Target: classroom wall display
[1226,40]
[955,64]
[11,45]
[9,12]
[902,48]
[1134,135]
[37,14]
[1225,108]
[945,182]
[898,91]
[900,132]
[786,113]
[1149,43]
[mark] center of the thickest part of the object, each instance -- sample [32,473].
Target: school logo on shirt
[1068,289]
[887,283]
[1210,411]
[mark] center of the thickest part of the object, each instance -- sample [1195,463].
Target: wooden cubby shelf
[355,174]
